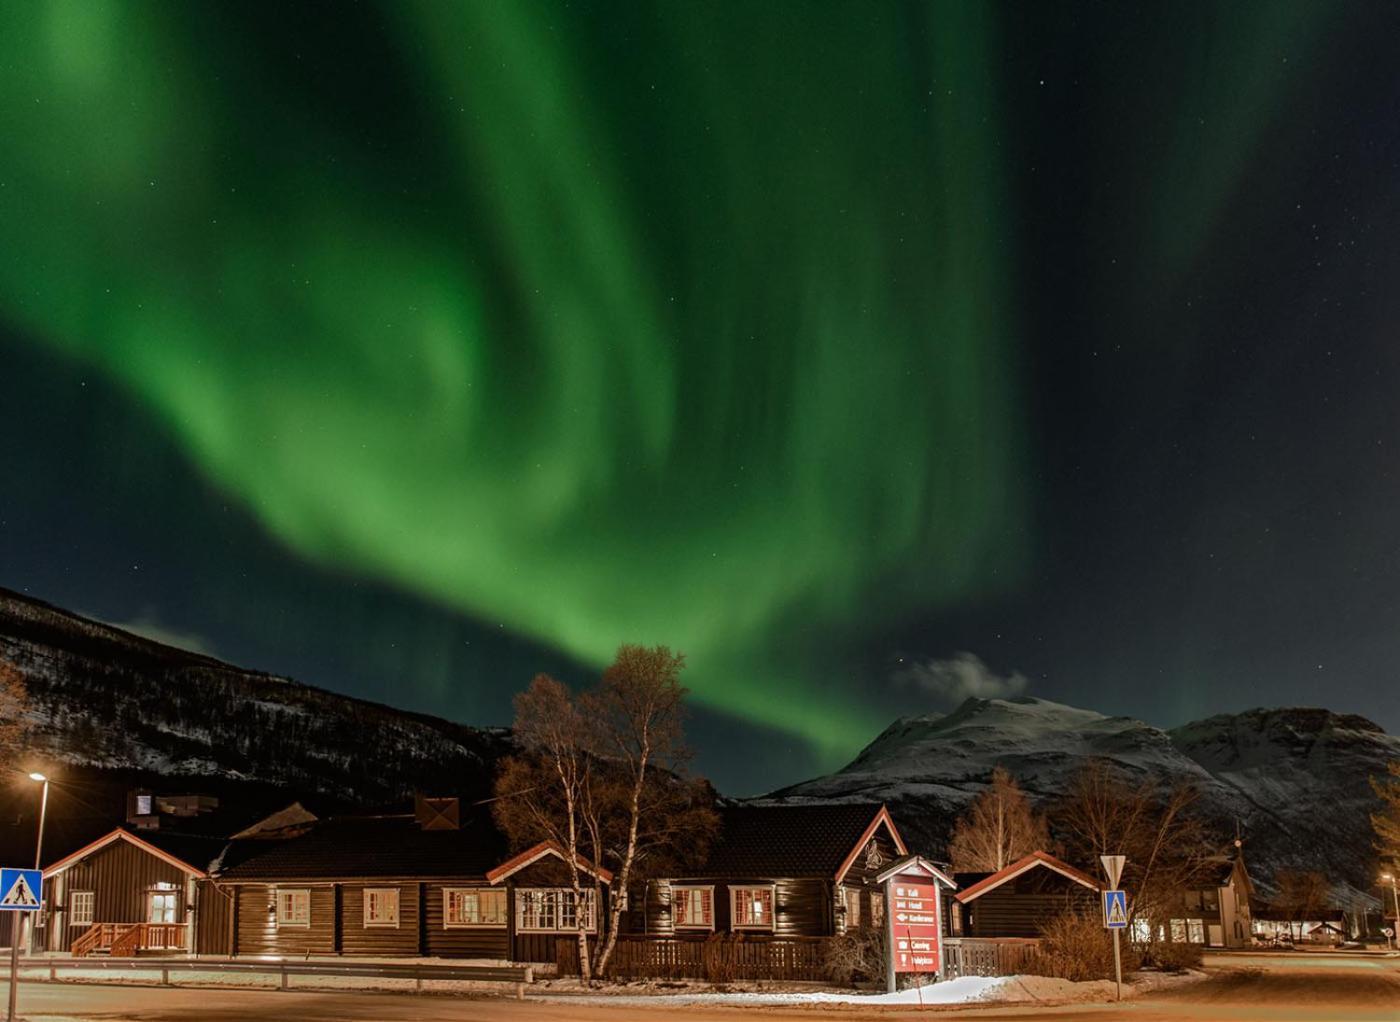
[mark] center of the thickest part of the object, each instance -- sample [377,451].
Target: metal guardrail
[284,970]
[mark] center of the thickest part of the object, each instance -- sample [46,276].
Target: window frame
[73,919]
[448,892]
[288,922]
[850,900]
[369,894]
[522,916]
[687,889]
[734,893]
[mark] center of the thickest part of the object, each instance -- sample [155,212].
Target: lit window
[381,906]
[852,908]
[693,908]
[1196,931]
[552,910]
[877,908]
[473,906]
[143,805]
[1142,931]
[80,907]
[294,907]
[752,907]
[1178,931]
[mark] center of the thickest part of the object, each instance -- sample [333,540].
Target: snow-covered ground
[967,990]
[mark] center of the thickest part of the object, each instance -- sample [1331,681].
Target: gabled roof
[1034,860]
[541,851]
[913,864]
[793,840]
[371,847]
[121,834]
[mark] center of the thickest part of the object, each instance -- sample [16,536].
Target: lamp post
[1395,895]
[24,924]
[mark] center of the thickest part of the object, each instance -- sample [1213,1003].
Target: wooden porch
[126,940]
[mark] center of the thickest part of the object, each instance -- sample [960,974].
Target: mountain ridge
[1296,779]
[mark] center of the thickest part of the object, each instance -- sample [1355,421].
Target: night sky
[870,354]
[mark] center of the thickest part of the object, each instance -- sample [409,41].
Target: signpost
[913,918]
[1115,910]
[19,892]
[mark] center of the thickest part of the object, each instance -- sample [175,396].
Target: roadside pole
[889,936]
[22,893]
[1115,910]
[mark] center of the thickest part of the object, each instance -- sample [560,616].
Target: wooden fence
[721,958]
[970,956]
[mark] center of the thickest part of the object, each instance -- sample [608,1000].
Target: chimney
[141,809]
[436,813]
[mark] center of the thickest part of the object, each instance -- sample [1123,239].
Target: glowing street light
[1396,896]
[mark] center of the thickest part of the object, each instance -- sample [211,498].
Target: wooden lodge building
[431,883]
[1016,901]
[781,870]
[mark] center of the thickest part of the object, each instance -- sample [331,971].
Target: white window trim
[693,926]
[500,892]
[767,927]
[380,924]
[291,924]
[588,896]
[73,919]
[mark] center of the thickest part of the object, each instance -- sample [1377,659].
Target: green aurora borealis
[513,384]
[700,324]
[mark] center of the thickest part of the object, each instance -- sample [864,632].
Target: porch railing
[128,939]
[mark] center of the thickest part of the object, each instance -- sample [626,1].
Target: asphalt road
[1333,989]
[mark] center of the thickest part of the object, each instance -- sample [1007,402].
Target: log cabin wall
[256,931]
[871,859]
[401,938]
[461,941]
[1020,907]
[802,906]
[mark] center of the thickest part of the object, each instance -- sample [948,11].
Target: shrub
[1170,956]
[718,959]
[1075,946]
[856,956]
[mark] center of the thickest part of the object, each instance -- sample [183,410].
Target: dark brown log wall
[258,933]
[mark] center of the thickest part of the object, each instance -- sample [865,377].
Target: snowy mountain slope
[1296,780]
[103,698]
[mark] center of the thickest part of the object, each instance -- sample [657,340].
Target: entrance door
[162,907]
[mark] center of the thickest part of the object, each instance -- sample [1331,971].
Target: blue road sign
[1115,910]
[20,889]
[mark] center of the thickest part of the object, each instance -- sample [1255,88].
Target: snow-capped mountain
[1295,780]
[103,698]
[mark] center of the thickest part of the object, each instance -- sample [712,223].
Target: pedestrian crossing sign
[1115,910]
[19,890]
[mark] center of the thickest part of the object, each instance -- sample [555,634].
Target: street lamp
[1395,927]
[39,778]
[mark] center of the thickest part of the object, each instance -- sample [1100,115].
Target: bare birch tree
[638,716]
[545,792]
[1386,822]
[1165,843]
[998,828]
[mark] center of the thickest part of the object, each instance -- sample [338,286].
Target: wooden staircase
[127,940]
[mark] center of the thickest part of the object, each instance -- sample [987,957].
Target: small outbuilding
[1017,901]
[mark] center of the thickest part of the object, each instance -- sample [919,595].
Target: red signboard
[915,925]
